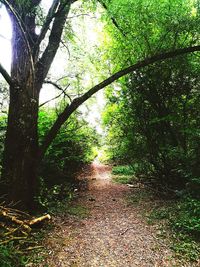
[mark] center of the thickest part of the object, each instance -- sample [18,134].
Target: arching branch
[48,101]
[80,100]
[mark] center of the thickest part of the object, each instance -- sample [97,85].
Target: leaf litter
[112,234]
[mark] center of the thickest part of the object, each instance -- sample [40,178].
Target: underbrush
[20,252]
[187,217]
[182,217]
[123,170]
[78,211]
[10,256]
[54,198]
[123,174]
[27,250]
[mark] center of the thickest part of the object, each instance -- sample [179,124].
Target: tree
[156,112]
[30,66]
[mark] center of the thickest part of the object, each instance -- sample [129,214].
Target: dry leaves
[114,234]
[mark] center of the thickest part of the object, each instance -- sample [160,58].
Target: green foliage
[159,214]
[185,248]
[123,174]
[73,144]
[152,116]
[187,217]
[72,147]
[183,217]
[151,26]
[10,257]
[123,170]
[156,124]
[123,179]
[138,197]
[54,198]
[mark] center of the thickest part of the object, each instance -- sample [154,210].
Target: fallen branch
[16,217]
[33,248]
[12,239]
[5,214]
[16,225]
[39,220]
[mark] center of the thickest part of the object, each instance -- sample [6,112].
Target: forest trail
[113,234]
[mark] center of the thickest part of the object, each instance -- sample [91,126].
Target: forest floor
[111,232]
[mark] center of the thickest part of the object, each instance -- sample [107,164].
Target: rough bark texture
[21,145]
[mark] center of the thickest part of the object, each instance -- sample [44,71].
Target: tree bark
[21,148]
[21,143]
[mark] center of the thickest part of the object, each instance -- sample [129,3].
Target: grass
[123,179]
[78,211]
[138,197]
[123,174]
[185,248]
[20,254]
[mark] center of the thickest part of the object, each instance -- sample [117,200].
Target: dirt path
[114,234]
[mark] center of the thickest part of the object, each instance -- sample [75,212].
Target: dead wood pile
[16,225]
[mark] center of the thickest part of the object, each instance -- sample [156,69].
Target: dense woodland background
[150,118]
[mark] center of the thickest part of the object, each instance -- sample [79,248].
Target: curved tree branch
[80,100]
[48,101]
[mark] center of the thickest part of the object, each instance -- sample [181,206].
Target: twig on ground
[130,228]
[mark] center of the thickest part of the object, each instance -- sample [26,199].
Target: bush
[187,217]
[72,148]
[123,170]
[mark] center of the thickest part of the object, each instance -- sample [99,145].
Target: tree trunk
[21,148]
[21,144]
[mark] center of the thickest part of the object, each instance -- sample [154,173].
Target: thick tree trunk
[21,148]
[21,144]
